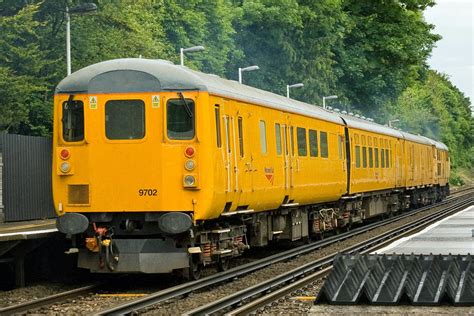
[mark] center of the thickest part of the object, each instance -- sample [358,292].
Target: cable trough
[389,279]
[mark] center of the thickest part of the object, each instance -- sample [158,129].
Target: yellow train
[159,168]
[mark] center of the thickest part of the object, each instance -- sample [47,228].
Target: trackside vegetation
[372,54]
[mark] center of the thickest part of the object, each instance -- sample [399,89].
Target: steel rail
[48,300]
[189,287]
[315,269]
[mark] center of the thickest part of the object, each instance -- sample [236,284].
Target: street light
[84,8]
[392,121]
[296,85]
[189,50]
[328,98]
[250,68]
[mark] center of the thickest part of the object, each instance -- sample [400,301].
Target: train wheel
[223,264]
[194,271]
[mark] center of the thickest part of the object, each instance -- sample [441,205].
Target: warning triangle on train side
[155,101]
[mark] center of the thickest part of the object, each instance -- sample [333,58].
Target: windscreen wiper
[186,106]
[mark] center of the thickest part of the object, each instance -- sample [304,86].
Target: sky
[453,55]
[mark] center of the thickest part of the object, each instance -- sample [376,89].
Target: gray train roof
[148,75]
[152,75]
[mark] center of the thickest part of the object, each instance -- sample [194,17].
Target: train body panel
[154,161]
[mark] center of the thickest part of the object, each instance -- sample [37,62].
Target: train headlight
[65,167]
[189,181]
[189,165]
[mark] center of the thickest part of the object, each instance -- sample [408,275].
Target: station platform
[451,235]
[27,229]
[17,240]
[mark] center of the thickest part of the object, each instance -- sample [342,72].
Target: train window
[73,120]
[278,138]
[241,136]
[323,138]
[313,143]
[301,139]
[371,158]
[292,141]
[387,159]
[376,157]
[263,137]
[125,119]
[340,146]
[382,157]
[358,156]
[217,113]
[364,157]
[180,119]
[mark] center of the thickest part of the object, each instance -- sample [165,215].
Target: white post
[287,91]
[68,41]
[324,102]
[181,54]
[240,75]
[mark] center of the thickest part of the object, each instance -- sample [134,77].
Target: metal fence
[25,172]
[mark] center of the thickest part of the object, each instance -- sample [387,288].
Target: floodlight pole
[189,50]
[296,85]
[328,98]
[250,68]
[392,121]
[68,41]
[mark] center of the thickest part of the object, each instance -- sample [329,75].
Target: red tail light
[65,154]
[189,152]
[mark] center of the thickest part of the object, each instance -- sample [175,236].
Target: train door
[243,160]
[230,157]
[291,156]
[286,156]
[398,163]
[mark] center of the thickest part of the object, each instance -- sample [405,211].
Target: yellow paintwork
[116,169]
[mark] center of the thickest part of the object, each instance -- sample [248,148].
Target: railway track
[190,287]
[49,300]
[266,293]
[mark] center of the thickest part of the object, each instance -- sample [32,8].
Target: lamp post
[189,50]
[392,121]
[328,98]
[250,68]
[80,9]
[296,85]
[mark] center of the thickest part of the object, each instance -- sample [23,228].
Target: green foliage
[22,80]
[372,54]
[437,109]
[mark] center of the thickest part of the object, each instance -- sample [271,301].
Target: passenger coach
[159,168]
